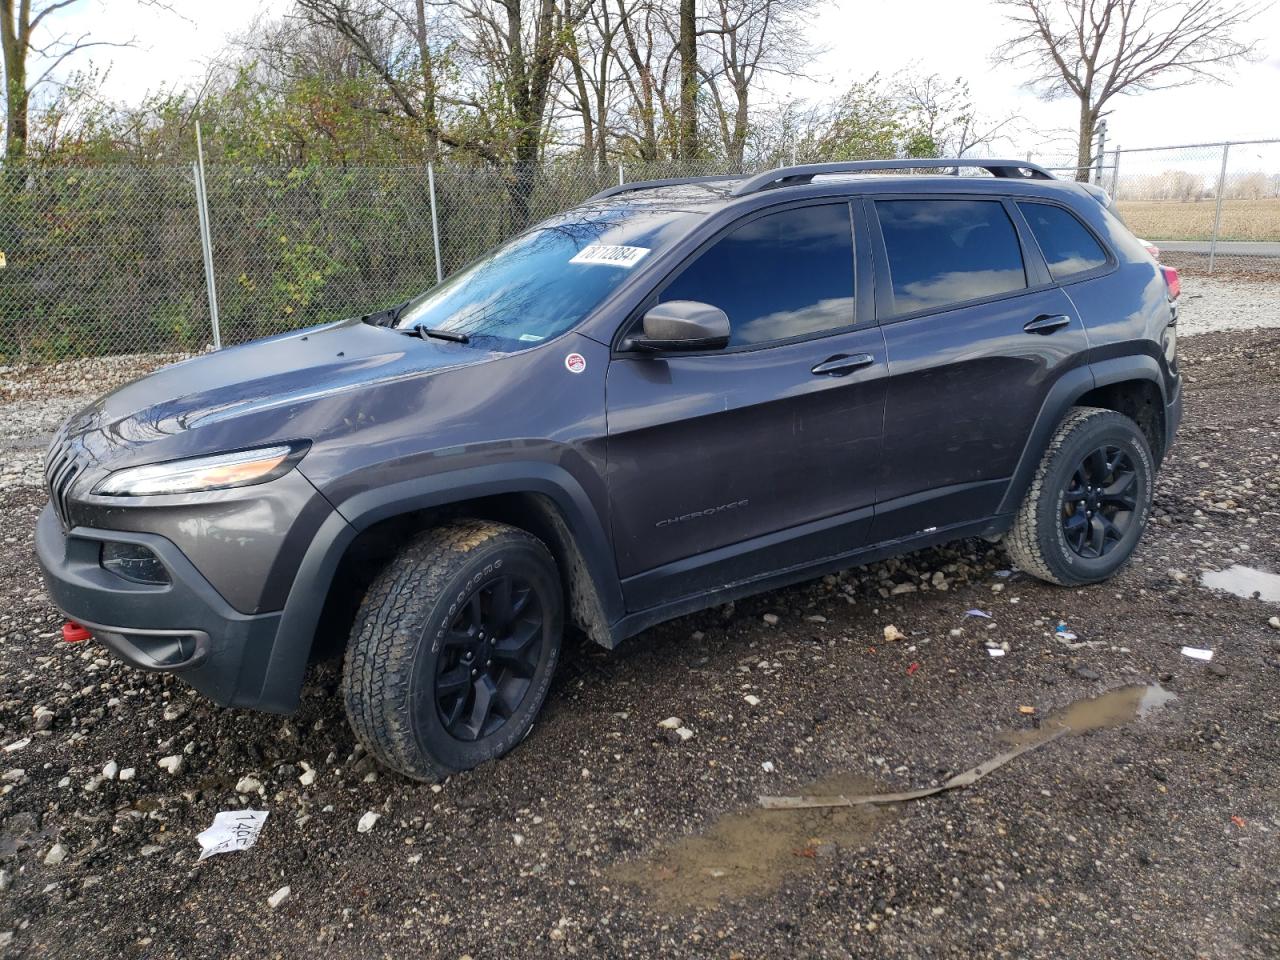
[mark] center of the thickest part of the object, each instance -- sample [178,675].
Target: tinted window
[785,274]
[1067,246]
[948,251]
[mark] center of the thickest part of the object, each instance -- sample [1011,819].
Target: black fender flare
[282,681]
[1062,396]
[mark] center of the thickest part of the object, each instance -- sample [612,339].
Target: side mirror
[683,325]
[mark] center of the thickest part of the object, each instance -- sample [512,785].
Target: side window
[1067,246]
[949,251]
[782,275]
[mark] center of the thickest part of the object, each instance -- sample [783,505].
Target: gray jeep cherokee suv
[675,394]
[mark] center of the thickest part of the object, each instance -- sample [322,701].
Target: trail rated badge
[575,363]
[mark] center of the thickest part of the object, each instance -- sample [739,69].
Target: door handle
[843,364]
[1046,324]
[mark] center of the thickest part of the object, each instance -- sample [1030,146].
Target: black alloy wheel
[1100,502]
[489,657]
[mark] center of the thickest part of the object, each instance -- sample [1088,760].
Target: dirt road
[606,834]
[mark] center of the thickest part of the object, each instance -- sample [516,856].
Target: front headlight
[197,474]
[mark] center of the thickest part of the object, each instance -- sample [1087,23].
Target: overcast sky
[860,37]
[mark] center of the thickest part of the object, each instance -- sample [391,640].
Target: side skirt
[642,620]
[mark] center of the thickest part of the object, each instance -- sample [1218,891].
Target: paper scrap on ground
[977,613]
[995,651]
[232,830]
[966,779]
[1197,653]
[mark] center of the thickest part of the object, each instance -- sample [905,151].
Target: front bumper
[184,627]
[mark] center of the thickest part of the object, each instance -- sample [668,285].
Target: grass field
[1176,220]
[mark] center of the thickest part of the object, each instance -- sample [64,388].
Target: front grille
[64,463]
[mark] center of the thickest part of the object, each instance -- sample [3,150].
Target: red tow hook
[72,632]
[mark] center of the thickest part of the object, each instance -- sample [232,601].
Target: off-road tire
[1037,543]
[389,673]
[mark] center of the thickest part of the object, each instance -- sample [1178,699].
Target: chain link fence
[109,260]
[1211,208]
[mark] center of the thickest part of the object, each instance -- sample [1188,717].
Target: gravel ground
[607,834]
[1212,303]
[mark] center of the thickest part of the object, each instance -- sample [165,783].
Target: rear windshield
[545,281]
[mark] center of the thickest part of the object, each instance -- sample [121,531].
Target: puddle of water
[1244,582]
[755,850]
[1112,709]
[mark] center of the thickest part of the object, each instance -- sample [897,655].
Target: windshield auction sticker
[610,255]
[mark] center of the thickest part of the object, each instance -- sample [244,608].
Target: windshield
[545,281]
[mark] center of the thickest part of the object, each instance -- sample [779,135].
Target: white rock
[671,723]
[57,853]
[308,777]
[771,619]
[127,773]
[367,821]
[416,858]
[517,839]
[248,785]
[684,733]
[752,700]
[111,770]
[171,764]
[767,766]
[892,633]
[278,897]
[1274,623]
[16,745]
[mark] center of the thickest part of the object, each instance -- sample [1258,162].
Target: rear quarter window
[1068,247]
[944,252]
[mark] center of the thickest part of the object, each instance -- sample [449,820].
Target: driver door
[728,465]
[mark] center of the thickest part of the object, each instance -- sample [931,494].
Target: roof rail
[786,176]
[647,184]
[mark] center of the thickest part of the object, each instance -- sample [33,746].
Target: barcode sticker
[610,255]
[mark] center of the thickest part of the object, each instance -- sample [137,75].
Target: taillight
[1152,249]
[1171,281]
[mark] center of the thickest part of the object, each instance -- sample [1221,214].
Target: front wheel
[1089,501]
[453,649]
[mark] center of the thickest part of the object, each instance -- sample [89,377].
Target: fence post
[435,222]
[622,180]
[1100,156]
[1115,173]
[206,239]
[1217,212]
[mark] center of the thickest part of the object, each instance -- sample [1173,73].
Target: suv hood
[285,374]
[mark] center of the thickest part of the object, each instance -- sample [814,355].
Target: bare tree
[22,43]
[688,45]
[749,37]
[1095,50]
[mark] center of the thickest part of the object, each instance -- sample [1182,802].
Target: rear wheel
[454,648]
[1089,501]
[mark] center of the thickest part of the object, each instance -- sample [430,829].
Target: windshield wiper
[386,317]
[451,335]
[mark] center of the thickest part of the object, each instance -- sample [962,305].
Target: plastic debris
[975,612]
[1197,653]
[1063,633]
[912,669]
[995,652]
[1026,711]
[231,830]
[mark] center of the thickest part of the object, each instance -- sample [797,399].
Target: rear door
[976,333]
[726,465]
